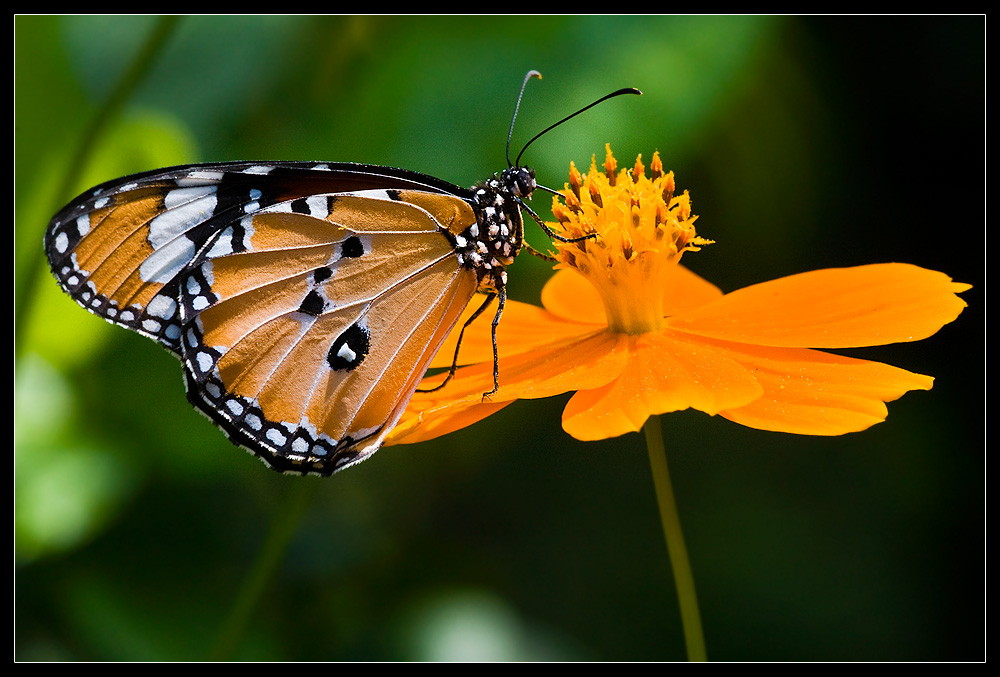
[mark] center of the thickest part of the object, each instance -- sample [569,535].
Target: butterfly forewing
[305,300]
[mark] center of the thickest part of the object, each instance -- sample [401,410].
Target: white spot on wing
[347,354]
[167,261]
[223,244]
[180,196]
[179,219]
[318,206]
[83,224]
[375,194]
[162,306]
[199,177]
[204,361]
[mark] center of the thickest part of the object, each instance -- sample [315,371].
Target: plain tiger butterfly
[305,300]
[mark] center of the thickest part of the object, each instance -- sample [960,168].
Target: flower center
[639,228]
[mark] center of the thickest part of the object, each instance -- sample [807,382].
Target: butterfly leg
[548,231]
[542,255]
[461,333]
[502,299]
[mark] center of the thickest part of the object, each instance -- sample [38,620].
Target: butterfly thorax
[492,243]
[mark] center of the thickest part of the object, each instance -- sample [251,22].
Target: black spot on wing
[312,304]
[352,248]
[349,349]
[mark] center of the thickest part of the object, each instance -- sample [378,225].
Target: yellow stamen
[641,230]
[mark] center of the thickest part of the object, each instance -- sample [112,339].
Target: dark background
[805,142]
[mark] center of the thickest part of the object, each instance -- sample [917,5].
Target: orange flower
[636,335]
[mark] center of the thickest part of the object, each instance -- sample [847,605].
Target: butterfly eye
[523,181]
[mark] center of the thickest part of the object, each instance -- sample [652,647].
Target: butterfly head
[520,181]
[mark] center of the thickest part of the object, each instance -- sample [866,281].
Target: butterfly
[305,300]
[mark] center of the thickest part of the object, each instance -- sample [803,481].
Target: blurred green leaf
[65,488]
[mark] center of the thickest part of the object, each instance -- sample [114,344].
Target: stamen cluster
[639,228]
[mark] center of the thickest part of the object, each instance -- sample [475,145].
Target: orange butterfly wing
[305,301]
[311,341]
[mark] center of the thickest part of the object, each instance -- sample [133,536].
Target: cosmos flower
[634,334]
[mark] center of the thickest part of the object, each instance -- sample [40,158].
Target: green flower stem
[283,526]
[694,639]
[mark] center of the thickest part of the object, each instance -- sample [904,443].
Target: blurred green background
[805,142]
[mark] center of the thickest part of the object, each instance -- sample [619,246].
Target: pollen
[636,229]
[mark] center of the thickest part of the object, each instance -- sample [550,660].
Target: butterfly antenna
[531,74]
[517,162]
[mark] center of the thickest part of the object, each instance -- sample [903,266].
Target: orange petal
[587,362]
[477,341]
[441,419]
[580,363]
[438,412]
[685,291]
[568,295]
[809,392]
[666,372]
[833,308]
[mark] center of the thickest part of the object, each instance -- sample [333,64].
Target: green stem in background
[286,522]
[129,81]
[694,639]
[152,48]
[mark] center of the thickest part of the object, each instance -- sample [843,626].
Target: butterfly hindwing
[304,300]
[308,342]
